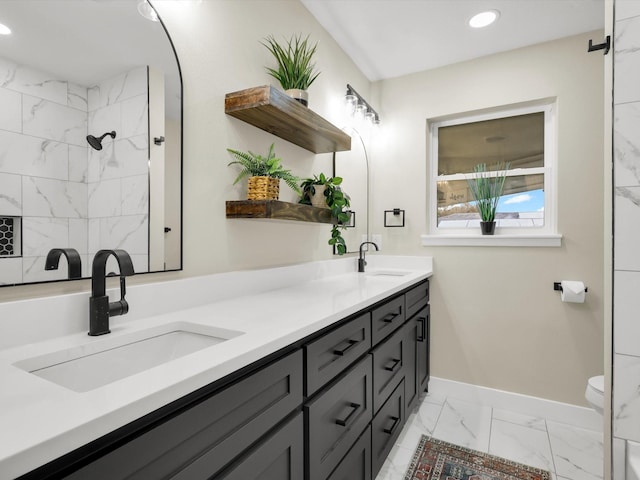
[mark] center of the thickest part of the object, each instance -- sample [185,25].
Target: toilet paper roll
[572,291]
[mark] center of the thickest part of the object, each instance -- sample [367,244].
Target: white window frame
[543,236]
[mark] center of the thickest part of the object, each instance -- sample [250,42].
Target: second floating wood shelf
[271,110]
[276,209]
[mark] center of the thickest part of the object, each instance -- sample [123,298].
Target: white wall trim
[467,240]
[566,413]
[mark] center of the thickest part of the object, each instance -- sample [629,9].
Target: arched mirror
[90,137]
[353,167]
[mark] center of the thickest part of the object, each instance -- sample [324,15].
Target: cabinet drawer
[357,464]
[332,353]
[280,456]
[416,298]
[386,318]
[389,365]
[386,427]
[336,418]
[211,434]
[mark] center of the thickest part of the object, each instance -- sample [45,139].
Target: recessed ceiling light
[484,19]
[147,11]
[4,30]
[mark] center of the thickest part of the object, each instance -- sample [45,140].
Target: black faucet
[361,260]
[74,262]
[100,309]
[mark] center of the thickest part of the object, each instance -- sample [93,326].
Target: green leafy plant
[336,200]
[254,165]
[295,69]
[487,189]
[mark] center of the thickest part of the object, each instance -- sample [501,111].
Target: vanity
[314,373]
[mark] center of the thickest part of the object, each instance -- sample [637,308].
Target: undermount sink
[111,358]
[388,273]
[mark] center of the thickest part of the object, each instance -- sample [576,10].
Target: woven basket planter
[263,188]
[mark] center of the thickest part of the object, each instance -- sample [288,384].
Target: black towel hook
[606,46]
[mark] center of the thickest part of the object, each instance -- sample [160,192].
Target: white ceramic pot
[301,96]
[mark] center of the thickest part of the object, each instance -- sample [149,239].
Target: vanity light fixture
[147,11]
[484,19]
[4,30]
[358,106]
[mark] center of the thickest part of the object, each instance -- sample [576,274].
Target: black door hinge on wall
[606,46]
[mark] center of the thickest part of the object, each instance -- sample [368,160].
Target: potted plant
[487,190]
[264,174]
[325,192]
[295,71]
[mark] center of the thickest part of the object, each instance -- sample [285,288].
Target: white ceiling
[390,38]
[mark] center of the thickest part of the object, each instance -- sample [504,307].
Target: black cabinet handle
[351,343]
[423,322]
[390,317]
[394,425]
[354,408]
[395,363]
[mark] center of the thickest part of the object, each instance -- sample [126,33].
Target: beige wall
[496,320]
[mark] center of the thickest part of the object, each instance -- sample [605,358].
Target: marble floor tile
[519,419]
[464,423]
[578,454]
[396,464]
[421,422]
[522,444]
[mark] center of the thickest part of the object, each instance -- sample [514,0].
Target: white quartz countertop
[41,421]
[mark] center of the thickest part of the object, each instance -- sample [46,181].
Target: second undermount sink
[388,273]
[111,358]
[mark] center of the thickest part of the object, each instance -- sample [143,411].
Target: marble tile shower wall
[117,176]
[48,176]
[626,141]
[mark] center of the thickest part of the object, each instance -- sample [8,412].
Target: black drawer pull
[396,422]
[395,363]
[390,317]
[345,349]
[354,408]
[423,322]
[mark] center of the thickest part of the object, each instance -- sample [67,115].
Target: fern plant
[487,190]
[295,69]
[254,165]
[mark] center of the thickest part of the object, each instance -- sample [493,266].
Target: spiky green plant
[336,200]
[295,69]
[487,189]
[254,165]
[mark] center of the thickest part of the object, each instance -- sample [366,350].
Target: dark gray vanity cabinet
[203,439]
[390,362]
[423,319]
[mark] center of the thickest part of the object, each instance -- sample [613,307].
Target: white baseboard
[574,415]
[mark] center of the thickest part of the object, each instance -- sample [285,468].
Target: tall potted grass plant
[486,189]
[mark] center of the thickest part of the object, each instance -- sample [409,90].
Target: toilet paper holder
[558,286]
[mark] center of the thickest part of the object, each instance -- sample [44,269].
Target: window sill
[470,240]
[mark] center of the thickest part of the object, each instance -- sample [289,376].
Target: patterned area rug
[438,460]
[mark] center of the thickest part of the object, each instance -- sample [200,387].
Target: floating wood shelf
[275,112]
[276,209]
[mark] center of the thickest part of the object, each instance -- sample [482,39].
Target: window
[522,137]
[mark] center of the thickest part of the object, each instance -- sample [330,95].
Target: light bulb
[350,102]
[360,112]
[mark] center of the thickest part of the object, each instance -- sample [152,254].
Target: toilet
[595,393]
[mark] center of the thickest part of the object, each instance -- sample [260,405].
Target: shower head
[96,143]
